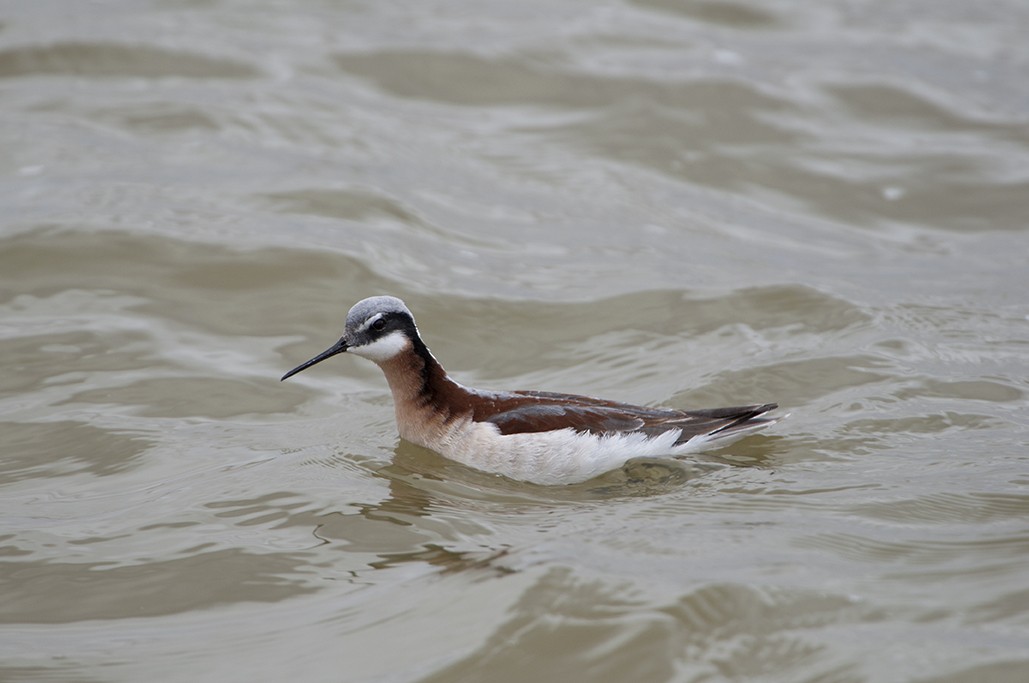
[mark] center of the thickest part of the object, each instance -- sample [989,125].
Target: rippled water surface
[691,203]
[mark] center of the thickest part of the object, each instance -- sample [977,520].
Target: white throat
[381,350]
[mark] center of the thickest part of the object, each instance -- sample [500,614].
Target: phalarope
[534,436]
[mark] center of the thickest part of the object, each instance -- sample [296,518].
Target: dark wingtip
[749,416]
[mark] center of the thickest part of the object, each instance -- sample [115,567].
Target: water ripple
[107,60]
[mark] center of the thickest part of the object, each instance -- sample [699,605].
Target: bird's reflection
[441,513]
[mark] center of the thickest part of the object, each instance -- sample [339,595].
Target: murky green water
[823,204]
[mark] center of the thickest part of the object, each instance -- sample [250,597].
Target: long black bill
[338,347]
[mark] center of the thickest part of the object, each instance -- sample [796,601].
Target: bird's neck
[424,397]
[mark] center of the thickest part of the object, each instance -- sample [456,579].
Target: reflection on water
[688,203]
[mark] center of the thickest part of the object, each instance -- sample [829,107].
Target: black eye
[379,325]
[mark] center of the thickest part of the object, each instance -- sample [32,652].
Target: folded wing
[537,411]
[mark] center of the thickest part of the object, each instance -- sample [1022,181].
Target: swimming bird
[535,436]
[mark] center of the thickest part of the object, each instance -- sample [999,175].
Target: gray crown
[366,308]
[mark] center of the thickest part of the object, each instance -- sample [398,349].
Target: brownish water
[823,204]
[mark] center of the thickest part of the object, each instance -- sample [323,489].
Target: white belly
[561,457]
